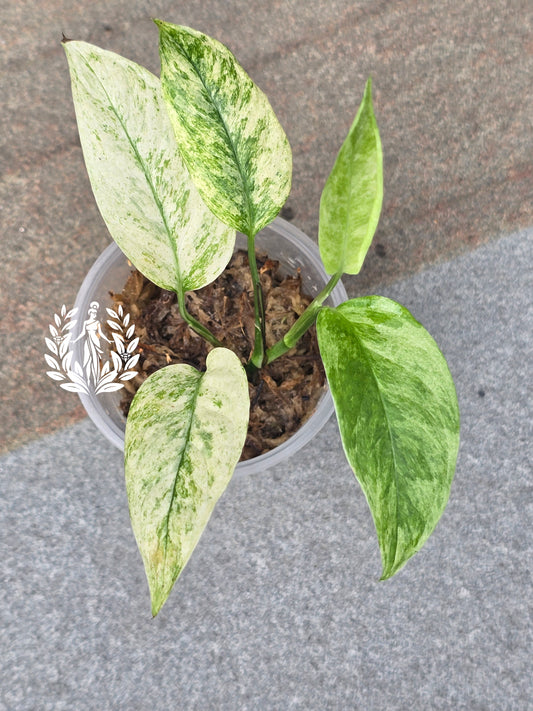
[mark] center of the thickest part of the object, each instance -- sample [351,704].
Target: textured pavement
[452,89]
[280,605]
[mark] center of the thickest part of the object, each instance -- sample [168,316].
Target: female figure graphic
[92,349]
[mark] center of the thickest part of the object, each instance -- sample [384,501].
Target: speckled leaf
[351,200]
[147,199]
[398,417]
[184,435]
[235,149]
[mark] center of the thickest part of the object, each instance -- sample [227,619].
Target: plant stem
[303,323]
[196,326]
[258,355]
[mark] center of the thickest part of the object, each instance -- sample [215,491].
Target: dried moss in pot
[287,390]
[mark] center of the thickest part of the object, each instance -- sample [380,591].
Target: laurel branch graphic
[92,376]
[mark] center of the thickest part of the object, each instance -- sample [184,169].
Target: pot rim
[112,255]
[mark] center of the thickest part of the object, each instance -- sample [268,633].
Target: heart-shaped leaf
[351,200]
[398,416]
[184,434]
[236,151]
[147,199]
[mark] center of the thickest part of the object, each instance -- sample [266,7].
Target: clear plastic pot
[281,241]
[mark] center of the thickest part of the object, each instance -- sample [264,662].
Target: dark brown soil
[287,390]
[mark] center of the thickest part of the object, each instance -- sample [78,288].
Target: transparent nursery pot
[280,241]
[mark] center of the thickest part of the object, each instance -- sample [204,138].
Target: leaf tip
[64,38]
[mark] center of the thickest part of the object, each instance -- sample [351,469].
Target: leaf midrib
[393,449]
[242,174]
[192,409]
[146,173]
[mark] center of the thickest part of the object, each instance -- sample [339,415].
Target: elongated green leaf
[398,417]
[147,199]
[235,149]
[184,434]
[351,200]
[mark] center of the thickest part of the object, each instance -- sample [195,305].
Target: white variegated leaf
[234,146]
[351,200]
[184,435]
[143,190]
[398,417]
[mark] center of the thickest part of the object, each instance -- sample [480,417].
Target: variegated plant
[178,164]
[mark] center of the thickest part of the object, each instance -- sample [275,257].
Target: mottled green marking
[184,436]
[398,416]
[351,200]
[147,199]
[236,151]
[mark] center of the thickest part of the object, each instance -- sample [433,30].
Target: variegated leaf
[398,416]
[234,146]
[351,200]
[184,435]
[143,190]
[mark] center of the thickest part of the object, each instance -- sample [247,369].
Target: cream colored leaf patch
[184,435]
[141,185]
[229,136]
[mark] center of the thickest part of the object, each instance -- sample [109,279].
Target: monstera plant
[177,164]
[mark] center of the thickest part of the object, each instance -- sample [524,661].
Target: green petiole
[304,322]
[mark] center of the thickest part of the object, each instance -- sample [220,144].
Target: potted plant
[177,166]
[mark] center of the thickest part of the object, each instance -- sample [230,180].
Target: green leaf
[398,416]
[351,200]
[147,199]
[184,434]
[234,147]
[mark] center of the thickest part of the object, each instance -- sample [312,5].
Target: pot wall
[281,241]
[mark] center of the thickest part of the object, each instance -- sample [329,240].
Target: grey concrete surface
[452,88]
[280,605]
